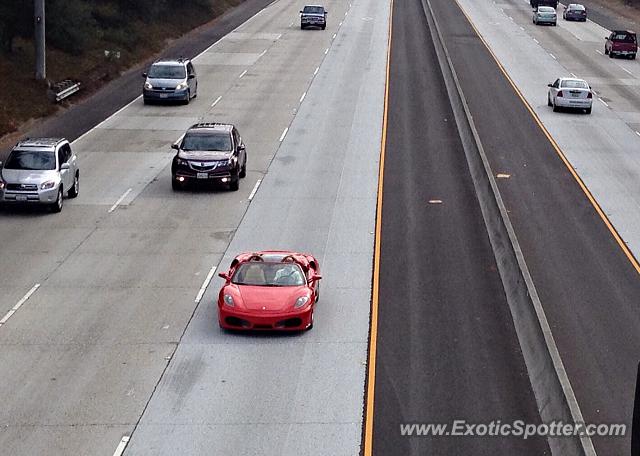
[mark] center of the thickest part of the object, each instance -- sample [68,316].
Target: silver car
[170,80]
[40,171]
[545,15]
[570,93]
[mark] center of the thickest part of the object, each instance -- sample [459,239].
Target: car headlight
[148,86]
[301,301]
[181,86]
[228,300]
[47,185]
[181,162]
[1,185]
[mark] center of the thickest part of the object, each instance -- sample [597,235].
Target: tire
[588,110]
[234,184]
[324,26]
[633,57]
[188,99]
[145,101]
[73,192]
[310,327]
[611,54]
[301,27]
[555,108]
[605,51]
[57,206]
[243,170]
[549,101]
[175,185]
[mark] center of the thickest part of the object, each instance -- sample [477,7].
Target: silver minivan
[170,80]
[40,171]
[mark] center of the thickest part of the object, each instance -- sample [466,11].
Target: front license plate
[164,95]
[21,197]
[202,175]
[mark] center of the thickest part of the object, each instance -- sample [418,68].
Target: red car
[274,290]
[621,42]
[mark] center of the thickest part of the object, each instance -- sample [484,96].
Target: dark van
[621,42]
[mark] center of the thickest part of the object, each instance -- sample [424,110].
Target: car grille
[22,187]
[204,166]
[164,89]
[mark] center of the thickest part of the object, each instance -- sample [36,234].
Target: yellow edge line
[373,337]
[562,156]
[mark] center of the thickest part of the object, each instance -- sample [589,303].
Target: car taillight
[589,95]
[560,94]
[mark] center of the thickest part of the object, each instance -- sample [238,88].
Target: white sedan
[570,93]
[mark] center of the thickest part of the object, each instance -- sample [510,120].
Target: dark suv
[621,42]
[313,16]
[209,152]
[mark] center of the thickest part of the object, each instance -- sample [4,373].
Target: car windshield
[31,159]
[313,10]
[624,37]
[576,7]
[546,9]
[167,72]
[208,141]
[268,274]
[574,84]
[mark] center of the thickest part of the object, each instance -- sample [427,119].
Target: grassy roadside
[23,100]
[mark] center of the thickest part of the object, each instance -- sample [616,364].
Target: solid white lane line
[263,53]
[124,195]
[121,446]
[108,118]
[573,75]
[205,284]
[15,308]
[599,51]
[627,71]
[216,102]
[603,102]
[284,133]
[302,97]
[326,51]
[242,74]
[552,56]
[255,189]
[316,72]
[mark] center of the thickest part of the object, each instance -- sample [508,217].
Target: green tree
[16,19]
[70,25]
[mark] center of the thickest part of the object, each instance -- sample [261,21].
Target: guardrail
[60,90]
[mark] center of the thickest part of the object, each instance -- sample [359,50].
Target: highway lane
[587,284]
[238,394]
[81,358]
[446,344]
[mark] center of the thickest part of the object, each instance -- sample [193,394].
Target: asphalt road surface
[447,348]
[94,356]
[588,286]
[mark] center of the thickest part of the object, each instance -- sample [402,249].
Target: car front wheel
[588,110]
[234,184]
[57,206]
[73,193]
[549,100]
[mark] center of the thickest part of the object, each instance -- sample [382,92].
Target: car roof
[39,143]
[176,62]
[314,6]
[573,79]
[212,126]
[623,31]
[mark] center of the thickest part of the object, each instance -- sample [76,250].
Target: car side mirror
[241,147]
[549,85]
[224,275]
[175,146]
[64,166]
[315,278]
[192,76]
[300,11]
[144,75]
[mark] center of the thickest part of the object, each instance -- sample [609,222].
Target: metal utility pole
[39,37]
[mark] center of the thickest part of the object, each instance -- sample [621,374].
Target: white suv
[40,171]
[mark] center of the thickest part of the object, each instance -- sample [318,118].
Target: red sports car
[274,290]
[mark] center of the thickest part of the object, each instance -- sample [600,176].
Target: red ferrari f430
[269,290]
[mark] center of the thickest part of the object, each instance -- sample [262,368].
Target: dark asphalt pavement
[447,348]
[588,287]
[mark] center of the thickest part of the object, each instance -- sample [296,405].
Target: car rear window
[206,141]
[572,84]
[31,160]
[546,9]
[626,37]
[576,7]
[313,9]
[167,72]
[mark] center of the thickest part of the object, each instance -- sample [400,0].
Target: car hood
[205,155]
[164,83]
[27,176]
[271,299]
